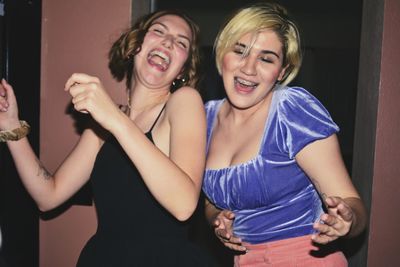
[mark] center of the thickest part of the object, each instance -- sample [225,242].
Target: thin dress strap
[155,121]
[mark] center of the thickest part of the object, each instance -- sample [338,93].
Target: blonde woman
[275,181]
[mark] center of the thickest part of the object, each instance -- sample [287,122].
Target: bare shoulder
[185,98]
[186,103]
[185,94]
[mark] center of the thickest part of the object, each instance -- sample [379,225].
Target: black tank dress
[133,228]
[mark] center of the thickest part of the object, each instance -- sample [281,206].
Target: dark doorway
[20,24]
[330,37]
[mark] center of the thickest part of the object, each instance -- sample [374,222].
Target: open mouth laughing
[244,86]
[159,59]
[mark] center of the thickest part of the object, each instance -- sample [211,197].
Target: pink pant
[292,252]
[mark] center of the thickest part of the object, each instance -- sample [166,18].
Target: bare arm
[174,179]
[322,162]
[46,189]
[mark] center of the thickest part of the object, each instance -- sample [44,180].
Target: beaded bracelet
[15,134]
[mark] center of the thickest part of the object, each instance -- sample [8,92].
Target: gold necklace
[129,99]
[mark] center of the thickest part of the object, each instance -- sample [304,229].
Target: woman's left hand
[334,224]
[89,96]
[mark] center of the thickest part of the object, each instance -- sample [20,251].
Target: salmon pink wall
[385,217]
[76,36]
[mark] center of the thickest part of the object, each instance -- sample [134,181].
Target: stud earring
[178,82]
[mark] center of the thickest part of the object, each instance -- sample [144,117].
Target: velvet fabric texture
[271,196]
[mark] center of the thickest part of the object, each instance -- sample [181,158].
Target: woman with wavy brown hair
[145,160]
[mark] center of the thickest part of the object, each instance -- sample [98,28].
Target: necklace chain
[129,100]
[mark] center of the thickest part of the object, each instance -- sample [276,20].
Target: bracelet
[15,134]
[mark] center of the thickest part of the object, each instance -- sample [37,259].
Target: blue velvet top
[271,196]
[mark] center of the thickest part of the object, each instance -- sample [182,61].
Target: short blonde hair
[253,19]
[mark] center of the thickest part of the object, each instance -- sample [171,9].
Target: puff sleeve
[302,119]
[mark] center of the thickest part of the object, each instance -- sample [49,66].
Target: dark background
[20,65]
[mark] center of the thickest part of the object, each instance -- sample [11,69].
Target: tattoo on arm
[42,172]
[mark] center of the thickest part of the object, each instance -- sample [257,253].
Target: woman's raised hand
[89,96]
[8,107]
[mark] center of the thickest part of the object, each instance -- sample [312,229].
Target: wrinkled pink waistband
[291,252]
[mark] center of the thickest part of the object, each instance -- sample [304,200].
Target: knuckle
[92,86]
[90,95]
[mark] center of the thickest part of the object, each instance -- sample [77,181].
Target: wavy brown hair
[122,53]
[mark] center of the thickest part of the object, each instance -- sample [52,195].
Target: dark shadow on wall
[84,195]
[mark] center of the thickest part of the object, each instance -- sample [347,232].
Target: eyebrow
[262,51]
[166,27]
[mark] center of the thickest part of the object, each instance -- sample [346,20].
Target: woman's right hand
[223,229]
[89,96]
[8,107]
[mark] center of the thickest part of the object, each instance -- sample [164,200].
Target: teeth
[245,82]
[161,55]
